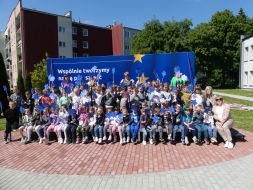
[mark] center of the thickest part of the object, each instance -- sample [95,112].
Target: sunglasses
[219,99]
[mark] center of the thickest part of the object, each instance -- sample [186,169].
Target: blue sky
[132,13]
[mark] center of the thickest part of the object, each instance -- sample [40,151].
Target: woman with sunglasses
[224,120]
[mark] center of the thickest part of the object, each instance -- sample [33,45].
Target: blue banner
[147,66]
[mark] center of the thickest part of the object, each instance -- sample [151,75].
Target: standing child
[63,124]
[134,124]
[26,122]
[187,122]
[157,126]
[99,124]
[12,118]
[198,117]
[42,124]
[167,119]
[178,125]
[144,125]
[209,123]
[126,126]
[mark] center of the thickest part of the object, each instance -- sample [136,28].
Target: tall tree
[39,75]
[20,83]
[3,81]
[28,82]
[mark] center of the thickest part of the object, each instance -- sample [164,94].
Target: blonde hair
[208,88]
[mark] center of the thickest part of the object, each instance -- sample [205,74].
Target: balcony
[18,38]
[19,54]
[17,22]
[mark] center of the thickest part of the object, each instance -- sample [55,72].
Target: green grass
[2,124]
[242,119]
[239,101]
[248,93]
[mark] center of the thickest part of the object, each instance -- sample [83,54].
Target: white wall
[247,63]
[65,36]
[128,34]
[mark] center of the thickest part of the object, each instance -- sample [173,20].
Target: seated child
[71,128]
[167,119]
[116,125]
[109,121]
[198,117]
[81,131]
[54,122]
[12,117]
[178,125]
[63,124]
[209,123]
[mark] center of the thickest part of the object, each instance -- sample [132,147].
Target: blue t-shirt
[187,118]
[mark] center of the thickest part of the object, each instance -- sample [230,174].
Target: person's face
[100,111]
[56,111]
[177,109]
[63,108]
[65,94]
[198,109]
[187,112]
[109,109]
[125,112]
[156,89]
[197,91]
[27,94]
[91,111]
[185,89]
[165,88]
[208,91]
[27,112]
[209,113]
[12,105]
[219,101]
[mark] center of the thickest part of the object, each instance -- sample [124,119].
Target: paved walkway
[113,166]
[235,96]
[230,175]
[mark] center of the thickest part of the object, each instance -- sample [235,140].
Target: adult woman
[224,120]
[208,98]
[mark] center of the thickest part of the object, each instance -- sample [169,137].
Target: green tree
[3,81]
[39,75]
[28,82]
[20,83]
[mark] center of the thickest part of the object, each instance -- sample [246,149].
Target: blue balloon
[54,106]
[45,105]
[5,88]
[67,90]
[87,104]
[36,96]
[113,70]
[51,78]
[82,94]
[52,96]
[164,73]
[174,88]
[72,111]
[172,110]
[40,108]
[163,110]
[32,90]
[151,89]
[94,95]
[46,86]
[190,88]
[155,119]
[71,85]
[21,109]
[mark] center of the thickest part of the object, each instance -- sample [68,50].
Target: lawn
[2,124]
[248,93]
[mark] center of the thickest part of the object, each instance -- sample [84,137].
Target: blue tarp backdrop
[153,66]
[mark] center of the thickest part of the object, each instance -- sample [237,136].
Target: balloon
[21,109]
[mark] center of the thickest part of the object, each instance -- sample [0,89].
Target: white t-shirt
[219,110]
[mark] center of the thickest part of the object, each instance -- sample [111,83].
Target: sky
[131,13]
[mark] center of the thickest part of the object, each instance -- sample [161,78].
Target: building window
[62,44]
[246,53]
[127,47]
[85,45]
[246,78]
[251,80]
[127,34]
[62,56]
[74,43]
[75,54]
[74,30]
[85,54]
[85,32]
[251,53]
[61,29]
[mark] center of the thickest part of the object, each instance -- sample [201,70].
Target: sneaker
[45,140]
[41,141]
[65,141]
[110,138]
[121,141]
[85,140]
[124,140]
[128,139]
[161,140]
[104,138]
[96,139]
[151,141]
[23,139]
[186,140]
[99,140]
[5,142]
[115,140]
[194,139]
[169,137]
[173,142]
[230,145]
[132,141]
[183,143]
[226,144]
[144,142]
[214,140]
[60,141]
[207,141]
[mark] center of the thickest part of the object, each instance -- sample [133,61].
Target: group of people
[144,112]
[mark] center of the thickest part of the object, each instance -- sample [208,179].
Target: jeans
[176,128]
[98,131]
[38,130]
[126,130]
[212,131]
[145,131]
[201,128]
[71,132]
[8,128]
[134,131]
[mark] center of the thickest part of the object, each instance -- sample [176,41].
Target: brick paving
[115,159]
